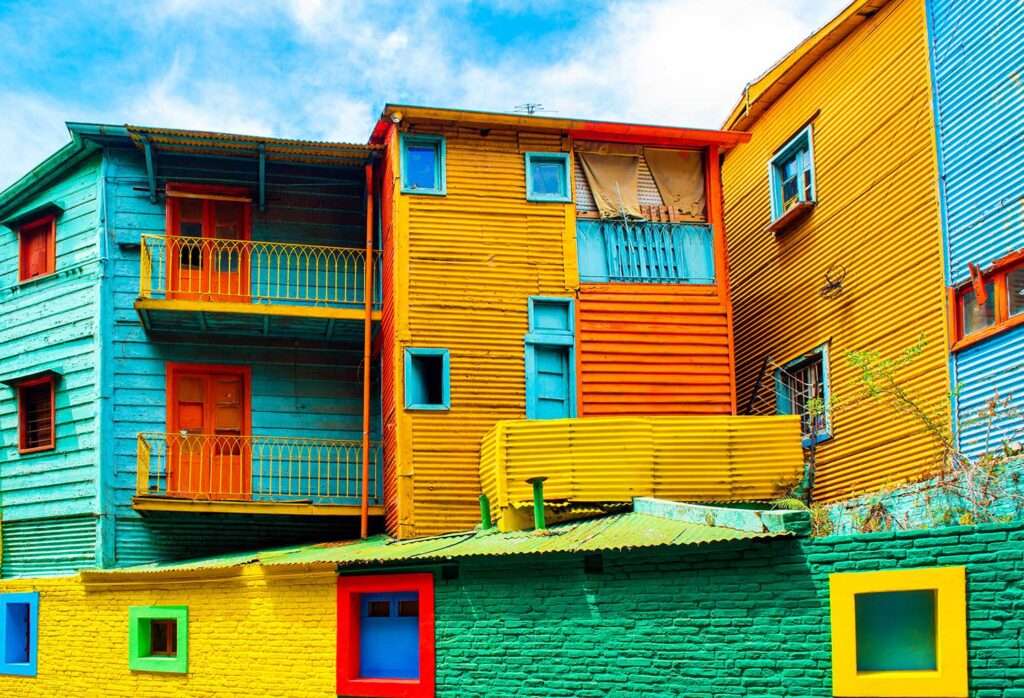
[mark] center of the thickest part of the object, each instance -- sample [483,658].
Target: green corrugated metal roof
[626,531]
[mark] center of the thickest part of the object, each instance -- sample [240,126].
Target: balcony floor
[252,319]
[144,504]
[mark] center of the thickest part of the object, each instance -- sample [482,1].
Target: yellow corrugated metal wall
[878,217]
[465,265]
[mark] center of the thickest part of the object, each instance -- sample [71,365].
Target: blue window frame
[550,359]
[801,388]
[389,635]
[427,379]
[19,631]
[423,164]
[791,173]
[547,177]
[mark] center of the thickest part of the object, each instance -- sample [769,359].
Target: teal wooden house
[138,269]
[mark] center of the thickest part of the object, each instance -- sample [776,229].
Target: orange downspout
[364,508]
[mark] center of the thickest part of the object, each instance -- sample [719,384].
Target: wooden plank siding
[465,265]
[646,349]
[51,323]
[877,216]
[299,389]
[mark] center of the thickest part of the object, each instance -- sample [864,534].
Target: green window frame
[140,653]
[791,174]
[563,195]
[423,142]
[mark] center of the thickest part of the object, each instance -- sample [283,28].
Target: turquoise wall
[299,389]
[50,499]
[715,621]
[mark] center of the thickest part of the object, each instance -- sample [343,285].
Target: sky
[323,70]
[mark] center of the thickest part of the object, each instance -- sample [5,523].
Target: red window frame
[350,589]
[43,230]
[996,274]
[23,414]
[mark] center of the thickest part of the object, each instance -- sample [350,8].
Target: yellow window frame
[949,680]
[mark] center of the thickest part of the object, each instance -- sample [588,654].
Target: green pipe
[538,502]
[485,513]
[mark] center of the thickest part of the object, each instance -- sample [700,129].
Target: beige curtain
[679,175]
[611,172]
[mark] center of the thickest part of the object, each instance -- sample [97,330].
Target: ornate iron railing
[646,252]
[247,271]
[254,468]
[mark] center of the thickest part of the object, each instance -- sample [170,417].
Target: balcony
[645,252]
[599,461]
[253,475]
[252,288]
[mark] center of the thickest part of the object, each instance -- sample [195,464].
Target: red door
[209,454]
[207,255]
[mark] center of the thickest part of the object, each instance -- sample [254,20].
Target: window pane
[896,631]
[426,384]
[163,638]
[978,317]
[804,386]
[421,166]
[17,634]
[1015,287]
[378,609]
[36,420]
[547,177]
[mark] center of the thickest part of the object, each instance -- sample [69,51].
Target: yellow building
[834,242]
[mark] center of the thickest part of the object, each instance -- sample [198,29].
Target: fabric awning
[611,170]
[679,175]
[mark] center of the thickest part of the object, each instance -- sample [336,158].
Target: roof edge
[43,174]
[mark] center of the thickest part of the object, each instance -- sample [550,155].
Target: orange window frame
[996,274]
[44,228]
[23,415]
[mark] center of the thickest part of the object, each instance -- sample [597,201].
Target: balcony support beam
[364,518]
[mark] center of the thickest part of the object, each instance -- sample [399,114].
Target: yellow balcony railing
[611,460]
[216,467]
[247,271]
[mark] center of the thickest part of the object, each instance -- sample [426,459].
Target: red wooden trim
[51,245]
[349,590]
[173,368]
[22,414]
[207,191]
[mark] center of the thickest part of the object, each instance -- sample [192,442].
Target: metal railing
[247,271]
[254,468]
[646,251]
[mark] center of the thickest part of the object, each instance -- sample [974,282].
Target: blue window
[791,172]
[19,630]
[801,387]
[550,359]
[547,177]
[427,379]
[423,166]
[389,636]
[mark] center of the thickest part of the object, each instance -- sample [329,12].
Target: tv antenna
[531,108]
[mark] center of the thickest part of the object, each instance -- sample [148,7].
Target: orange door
[207,258]
[208,453]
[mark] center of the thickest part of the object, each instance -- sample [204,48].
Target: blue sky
[323,70]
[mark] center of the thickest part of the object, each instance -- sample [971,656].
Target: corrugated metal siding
[615,459]
[475,257]
[48,547]
[387,337]
[877,216]
[978,58]
[978,64]
[653,349]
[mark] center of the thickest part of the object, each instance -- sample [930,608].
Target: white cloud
[33,130]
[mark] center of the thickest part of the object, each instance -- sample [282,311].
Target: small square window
[427,381]
[36,428]
[791,172]
[19,632]
[801,388]
[547,177]
[899,633]
[386,635]
[37,248]
[158,639]
[423,164]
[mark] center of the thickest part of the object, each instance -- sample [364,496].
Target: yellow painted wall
[243,635]
[465,265]
[877,216]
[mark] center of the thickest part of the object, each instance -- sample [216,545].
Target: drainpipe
[538,502]
[364,512]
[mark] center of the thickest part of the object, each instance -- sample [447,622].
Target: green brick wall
[728,620]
